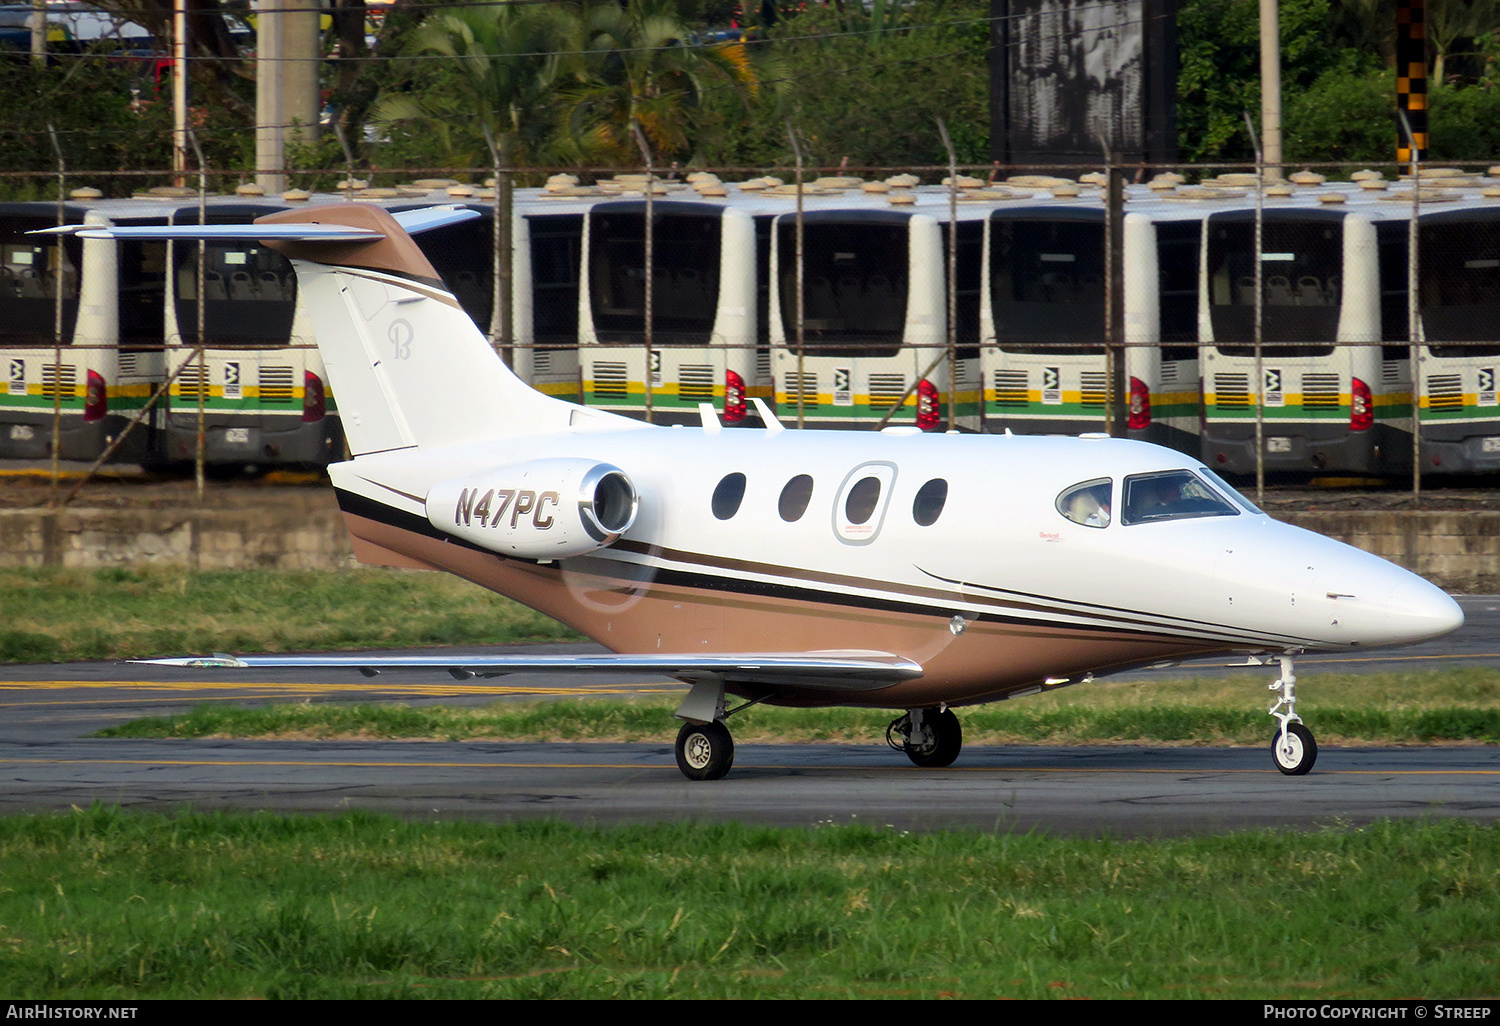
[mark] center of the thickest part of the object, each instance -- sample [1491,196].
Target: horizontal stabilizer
[411,221]
[210,232]
[827,671]
[425,219]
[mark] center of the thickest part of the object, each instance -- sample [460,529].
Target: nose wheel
[1292,747]
[930,738]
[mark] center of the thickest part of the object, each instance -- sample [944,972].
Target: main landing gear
[1292,746]
[930,737]
[705,749]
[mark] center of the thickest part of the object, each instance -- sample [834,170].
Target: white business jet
[893,570]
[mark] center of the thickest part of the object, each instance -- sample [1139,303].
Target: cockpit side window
[1087,503]
[1171,495]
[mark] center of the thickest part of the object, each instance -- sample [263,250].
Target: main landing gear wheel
[1296,752]
[705,751]
[931,738]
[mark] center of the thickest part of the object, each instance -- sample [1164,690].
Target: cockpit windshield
[1171,495]
[1231,491]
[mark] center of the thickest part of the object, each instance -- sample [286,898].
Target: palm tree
[504,65]
[637,65]
[1451,22]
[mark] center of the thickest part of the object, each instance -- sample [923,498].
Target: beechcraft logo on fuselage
[474,505]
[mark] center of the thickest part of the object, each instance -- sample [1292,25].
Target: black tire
[946,742]
[1301,750]
[705,751]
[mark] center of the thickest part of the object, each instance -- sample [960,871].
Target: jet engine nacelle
[543,509]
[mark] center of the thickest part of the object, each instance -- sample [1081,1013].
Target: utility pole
[37,21]
[1270,87]
[286,84]
[179,92]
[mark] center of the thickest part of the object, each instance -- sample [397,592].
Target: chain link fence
[1336,322]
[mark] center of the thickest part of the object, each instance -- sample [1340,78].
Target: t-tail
[408,367]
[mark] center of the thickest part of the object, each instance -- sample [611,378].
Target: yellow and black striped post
[1411,77]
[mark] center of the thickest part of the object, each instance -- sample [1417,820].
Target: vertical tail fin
[407,366]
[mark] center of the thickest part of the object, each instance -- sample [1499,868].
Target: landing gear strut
[930,737]
[1292,746]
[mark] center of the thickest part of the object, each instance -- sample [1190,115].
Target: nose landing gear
[1292,746]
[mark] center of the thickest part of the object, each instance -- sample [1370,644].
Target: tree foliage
[866,85]
[1219,80]
[99,126]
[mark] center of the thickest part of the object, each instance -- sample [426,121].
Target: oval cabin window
[863,497]
[928,505]
[795,497]
[728,496]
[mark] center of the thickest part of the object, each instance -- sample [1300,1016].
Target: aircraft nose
[1419,611]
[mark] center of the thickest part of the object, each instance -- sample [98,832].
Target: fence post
[1413,313]
[1260,301]
[791,134]
[1114,293]
[57,319]
[952,277]
[501,328]
[203,384]
[640,141]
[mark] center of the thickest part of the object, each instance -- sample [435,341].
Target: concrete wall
[1459,551]
[306,534]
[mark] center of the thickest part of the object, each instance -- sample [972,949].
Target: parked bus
[875,315]
[1044,363]
[257,377]
[1459,334]
[703,309]
[546,280]
[97,367]
[1334,390]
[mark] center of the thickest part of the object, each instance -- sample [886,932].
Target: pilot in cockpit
[1089,504]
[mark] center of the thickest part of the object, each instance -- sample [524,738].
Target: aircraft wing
[817,671]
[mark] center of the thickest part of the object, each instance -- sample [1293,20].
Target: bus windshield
[1302,274]
[685,251]
[1047,284]
[1460,285]
[31,270]
[854,284]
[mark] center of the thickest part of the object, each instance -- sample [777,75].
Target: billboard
[1068,77]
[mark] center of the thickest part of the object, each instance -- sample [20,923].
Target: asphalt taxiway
[48,760]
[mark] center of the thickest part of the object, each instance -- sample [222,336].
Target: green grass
[57,615]
[107,904]
[1389,708]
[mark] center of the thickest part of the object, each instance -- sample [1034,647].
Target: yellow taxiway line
[782,767]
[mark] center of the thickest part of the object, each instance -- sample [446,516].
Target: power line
[1064,32]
